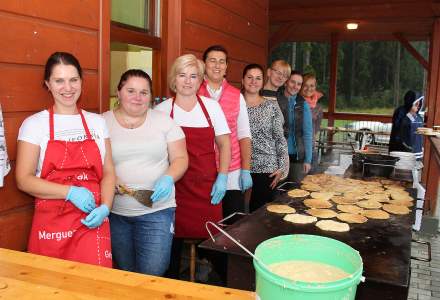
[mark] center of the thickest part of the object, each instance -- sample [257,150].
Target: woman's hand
[163,188]
[96,217]
[276,178]
[82,198]
[306,168]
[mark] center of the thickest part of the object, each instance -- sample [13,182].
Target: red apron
[56,227]
[193,190]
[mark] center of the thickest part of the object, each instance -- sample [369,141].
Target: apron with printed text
[193,190]
[57,230]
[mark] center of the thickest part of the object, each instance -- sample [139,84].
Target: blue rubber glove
[245,180]
[96,217]
[81,198]
[162,188]
[219,188]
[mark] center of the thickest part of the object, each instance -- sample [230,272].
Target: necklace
[130,124]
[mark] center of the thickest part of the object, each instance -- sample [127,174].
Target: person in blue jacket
[410,140]
[400,112]
[299,133]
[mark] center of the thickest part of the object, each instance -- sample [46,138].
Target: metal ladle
[236,242]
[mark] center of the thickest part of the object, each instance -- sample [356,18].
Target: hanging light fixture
[352,26]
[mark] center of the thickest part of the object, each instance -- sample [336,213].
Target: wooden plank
[66,11]
[353,12]
[16,82]
[333,78]
[359,117]
[125,35]
[104,57]
[280,35]
[196,37]
[368,30]
[208,14]
[405,43]
[11,197]
[27,41]
[72,277]
[242,8]
[12,125]
[14,228]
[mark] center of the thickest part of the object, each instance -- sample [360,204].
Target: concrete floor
[425,276]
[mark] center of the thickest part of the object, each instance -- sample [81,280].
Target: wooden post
[104,57]
[334,41]
[431,167]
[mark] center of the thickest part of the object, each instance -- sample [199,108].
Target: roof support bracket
[413,51]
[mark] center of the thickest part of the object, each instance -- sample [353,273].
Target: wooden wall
[240,26]
[31,31]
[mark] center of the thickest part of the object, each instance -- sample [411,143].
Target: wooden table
[29,276]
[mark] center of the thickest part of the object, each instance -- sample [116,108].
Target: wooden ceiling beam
[413,51]
[280,35]
[354,12]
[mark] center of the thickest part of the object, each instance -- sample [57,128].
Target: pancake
[349,208]
[351,218]
[298,193]
[407,203]
[396,209]
[377,197]
[375,214]
[343,200]
[369,204]
[330,225]
[322,213]
[322,195]
[317,203]
[280,209]
[300,219]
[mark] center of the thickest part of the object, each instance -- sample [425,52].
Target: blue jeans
[143,244]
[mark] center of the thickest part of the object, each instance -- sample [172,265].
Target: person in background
[64,161]
[270,159]
[409,140]
[216,87]
[277,75]
[395,143]
[200,191]
[298,120]
[311,95]
[149,154]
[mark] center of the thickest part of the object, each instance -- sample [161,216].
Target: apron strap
[51,124]
[205,112]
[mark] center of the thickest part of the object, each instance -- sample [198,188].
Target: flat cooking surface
[385,245]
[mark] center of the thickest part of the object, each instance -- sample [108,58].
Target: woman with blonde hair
[201,189]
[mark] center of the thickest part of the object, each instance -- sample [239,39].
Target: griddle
[384,245]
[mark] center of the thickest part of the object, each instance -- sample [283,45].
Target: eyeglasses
[279,73]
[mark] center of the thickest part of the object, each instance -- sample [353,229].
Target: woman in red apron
[74,184]
[201,189]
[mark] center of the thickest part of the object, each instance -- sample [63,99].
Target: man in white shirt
[233,104]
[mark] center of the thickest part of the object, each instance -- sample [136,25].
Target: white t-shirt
[35,130]
[140,156]
[195,117]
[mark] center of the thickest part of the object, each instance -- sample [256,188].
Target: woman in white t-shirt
[201,189]
[149,154]
[64,161]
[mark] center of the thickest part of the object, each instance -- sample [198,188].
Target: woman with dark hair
[269,159]
[407,139]
[64,161]
[149,154]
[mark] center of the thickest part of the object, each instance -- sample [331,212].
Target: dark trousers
[261,190]
[233,202]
